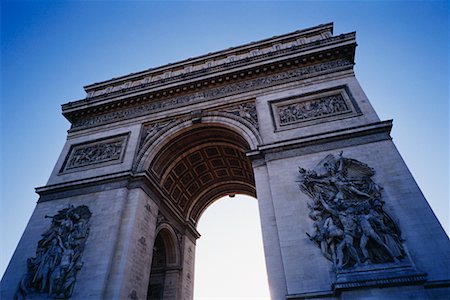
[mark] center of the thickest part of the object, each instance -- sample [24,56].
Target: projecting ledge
[379,276]
[352,136]
[311,295]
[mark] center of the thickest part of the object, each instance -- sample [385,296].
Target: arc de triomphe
[283,120]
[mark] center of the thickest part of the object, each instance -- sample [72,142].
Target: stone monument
[284,120]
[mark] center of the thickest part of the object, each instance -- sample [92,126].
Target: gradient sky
[50,50]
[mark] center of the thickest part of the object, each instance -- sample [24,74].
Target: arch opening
[229,254]
[201,164]
[193,168]
[164,261]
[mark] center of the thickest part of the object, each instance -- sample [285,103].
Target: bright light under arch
[229,262]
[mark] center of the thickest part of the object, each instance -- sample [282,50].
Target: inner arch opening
[201,164]
[195,167]
[164,261]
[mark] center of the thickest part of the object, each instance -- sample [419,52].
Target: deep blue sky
[50,50]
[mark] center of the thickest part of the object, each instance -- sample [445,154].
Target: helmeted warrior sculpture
[350,225]
[52,272]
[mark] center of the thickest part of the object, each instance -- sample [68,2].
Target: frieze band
[216,65]
[227,90]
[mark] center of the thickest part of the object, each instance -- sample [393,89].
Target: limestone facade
[148,152]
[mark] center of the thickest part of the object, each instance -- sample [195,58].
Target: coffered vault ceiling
[202,164]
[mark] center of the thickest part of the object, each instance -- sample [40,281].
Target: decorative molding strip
[98,153]
[381,280]
[313,108]
[227,90]
[312,295]
[437,284]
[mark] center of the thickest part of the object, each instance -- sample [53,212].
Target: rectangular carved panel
[96,153]
[313,108]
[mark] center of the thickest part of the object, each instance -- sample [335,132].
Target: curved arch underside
[202,164]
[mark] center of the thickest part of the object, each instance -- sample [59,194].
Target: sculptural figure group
[306,110]
[52,272]
[95,153]
[350,225]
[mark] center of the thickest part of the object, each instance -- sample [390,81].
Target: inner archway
[201,164]
[165,265]
[194,167]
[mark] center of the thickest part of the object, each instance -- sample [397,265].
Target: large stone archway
[195,166]
[196,160]
[283,119]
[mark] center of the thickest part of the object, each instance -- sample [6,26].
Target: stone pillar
[171,281]
[130,271]
[269,228]
[308,273]
[187,274]
[105,224]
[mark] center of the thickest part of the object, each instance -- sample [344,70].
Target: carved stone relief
[222,91]
[149,130]
[351,227]
[52,273]
[97,153]
[160,219]
[319,108]
[306,109]
[246,111]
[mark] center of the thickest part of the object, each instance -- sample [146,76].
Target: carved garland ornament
[52,272]
[351,227]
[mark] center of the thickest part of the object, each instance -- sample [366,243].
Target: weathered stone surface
[148,152]
[53,271]
[350,225]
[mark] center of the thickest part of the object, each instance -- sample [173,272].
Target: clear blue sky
[49,50]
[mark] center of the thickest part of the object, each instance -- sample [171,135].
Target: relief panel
[213,93]
[313,108]
[97,153]
[52,273]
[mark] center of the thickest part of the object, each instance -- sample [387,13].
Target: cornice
[356,135]
[320,31]
[133,82]
[341,46]
[129,180]
[83,186]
